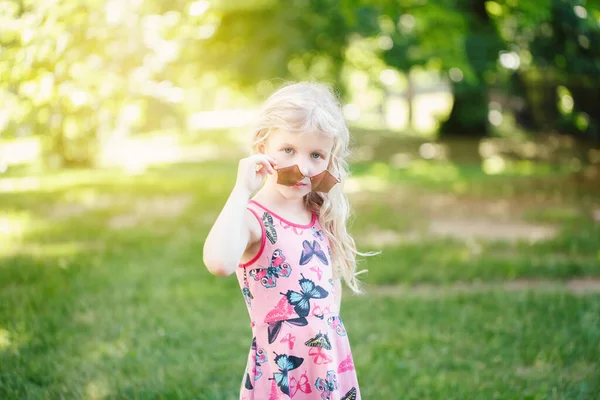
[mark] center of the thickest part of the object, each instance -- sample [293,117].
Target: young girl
[292,242]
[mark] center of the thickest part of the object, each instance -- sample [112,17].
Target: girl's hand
[252,170]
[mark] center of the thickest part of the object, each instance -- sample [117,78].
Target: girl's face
[311,152]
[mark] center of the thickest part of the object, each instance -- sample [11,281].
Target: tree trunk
[469,115]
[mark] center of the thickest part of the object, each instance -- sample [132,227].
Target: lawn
[103,293]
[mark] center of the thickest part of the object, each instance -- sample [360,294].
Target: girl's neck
[285,207]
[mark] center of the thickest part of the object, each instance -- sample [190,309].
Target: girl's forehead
[309,139]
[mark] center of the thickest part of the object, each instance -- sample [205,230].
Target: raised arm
[233,231]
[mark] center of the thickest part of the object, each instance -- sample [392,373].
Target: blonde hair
[313,107]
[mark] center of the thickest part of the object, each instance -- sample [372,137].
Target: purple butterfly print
[318,234]
[309,250]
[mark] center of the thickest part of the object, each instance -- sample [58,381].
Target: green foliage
[80,73]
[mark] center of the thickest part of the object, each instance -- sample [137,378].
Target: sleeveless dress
[300,348]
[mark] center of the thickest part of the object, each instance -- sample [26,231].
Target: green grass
[103,293]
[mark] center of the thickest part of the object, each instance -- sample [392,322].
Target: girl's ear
[262,149]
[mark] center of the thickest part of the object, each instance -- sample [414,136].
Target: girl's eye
[315,155]
[288,150]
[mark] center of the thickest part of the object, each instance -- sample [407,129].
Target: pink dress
[300,348]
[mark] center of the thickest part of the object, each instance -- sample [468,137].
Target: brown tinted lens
[289,176]
[323,182]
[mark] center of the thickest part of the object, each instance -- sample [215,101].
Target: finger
[272,160]
[263,161]
[267,166]
[263,172]
[267,157]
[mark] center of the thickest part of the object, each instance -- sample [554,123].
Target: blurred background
[475,170]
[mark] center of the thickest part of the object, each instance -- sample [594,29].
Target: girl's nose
[304,169]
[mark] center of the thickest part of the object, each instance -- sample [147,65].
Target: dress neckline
[310,224]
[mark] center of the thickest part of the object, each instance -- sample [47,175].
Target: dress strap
[263,237]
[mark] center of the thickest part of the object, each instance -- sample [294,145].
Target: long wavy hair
[314,107]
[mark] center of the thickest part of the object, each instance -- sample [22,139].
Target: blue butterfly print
[327,385]
[309,250]
[278,268]
[275,327]
[286,364]
[247,295]
[301,301]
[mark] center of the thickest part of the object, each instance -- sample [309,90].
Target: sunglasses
[290,176]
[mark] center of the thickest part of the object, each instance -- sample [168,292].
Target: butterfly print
[321,340]
[274,394]
[318,271]
[247,295]
[286,364]
[320,357]
[269,228]
[318,234]
[351,395]
[346,365]
[301,301]
[247,383]
[300,385]
[319,313]
[327,385]
[260,357]
[290,339]
[280,314]
[278,268]
[312,249]
[337,324]
[275,327]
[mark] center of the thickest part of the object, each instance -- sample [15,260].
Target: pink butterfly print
[337,324]
[302,385]
[346,365]
[320,357]
[277,268]
[274,395]
[290,339]
[256,372]
[261,356]
[283,310]
[318,271]
[298,231]
[318,312]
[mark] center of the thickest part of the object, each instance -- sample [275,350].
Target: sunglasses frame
[322,182]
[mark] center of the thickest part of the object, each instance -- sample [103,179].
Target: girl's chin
[295,192]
